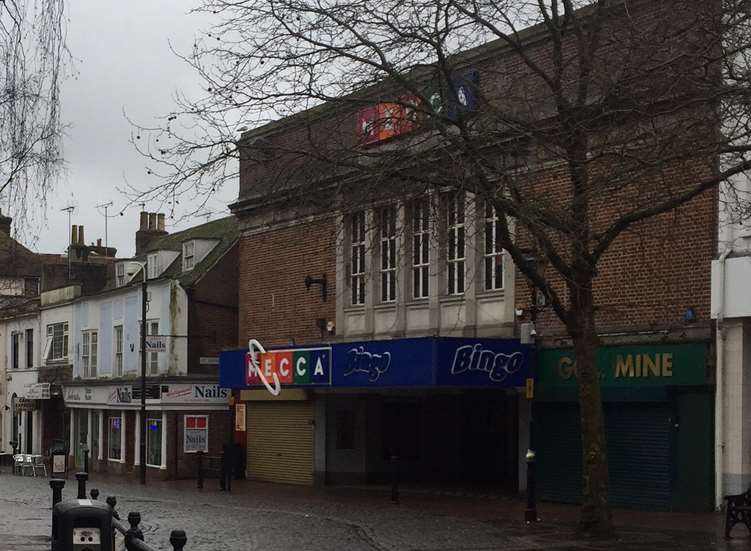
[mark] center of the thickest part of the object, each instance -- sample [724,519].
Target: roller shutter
[280,442]
[639,453]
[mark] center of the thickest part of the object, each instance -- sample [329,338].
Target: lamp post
[142,443]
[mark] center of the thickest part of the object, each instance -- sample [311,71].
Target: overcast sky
[124,63]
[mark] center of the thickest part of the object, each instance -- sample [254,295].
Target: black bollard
[112,502]
[178,540]
[57,486]
[395,479]
[94,493]
[82,478]
[530,513]
[134,532]
[199,481]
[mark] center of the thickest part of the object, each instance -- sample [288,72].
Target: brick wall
[275,306]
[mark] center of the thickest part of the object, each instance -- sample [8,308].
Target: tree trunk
[596,517]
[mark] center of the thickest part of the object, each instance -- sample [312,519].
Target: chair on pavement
[37,462]
[18,464]
[27,464]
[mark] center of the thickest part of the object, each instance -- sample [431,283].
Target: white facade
[731,308]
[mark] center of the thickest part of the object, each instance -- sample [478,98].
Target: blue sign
[427,361]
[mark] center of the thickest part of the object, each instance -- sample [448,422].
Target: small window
[89,349]
[357,258]
[120,274]
[15,346]
[31,286]
[118,351]
[29,348]
[56,347]
[188,255]
[153,356]
[455,244]
[153,266]
[493,254]
[388,253]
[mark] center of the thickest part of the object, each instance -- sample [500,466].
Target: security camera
[532,332]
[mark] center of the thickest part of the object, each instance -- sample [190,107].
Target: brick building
[388,285]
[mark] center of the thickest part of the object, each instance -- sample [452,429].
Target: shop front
[659,426]
[182,418]
[445,408]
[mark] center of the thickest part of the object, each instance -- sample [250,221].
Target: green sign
[628,366]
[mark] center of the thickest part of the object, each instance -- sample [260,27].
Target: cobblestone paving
[278,518]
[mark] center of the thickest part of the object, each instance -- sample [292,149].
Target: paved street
[270,517]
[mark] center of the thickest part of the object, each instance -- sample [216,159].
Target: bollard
[94,493]
[134,519]
[530,514]
[199,481]
[112,502]
[82,478]
[395,479]
[178,540]
[57,486]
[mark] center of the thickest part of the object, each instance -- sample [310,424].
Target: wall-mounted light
[317,281]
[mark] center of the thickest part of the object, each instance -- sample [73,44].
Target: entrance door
[82,430]
[280,442]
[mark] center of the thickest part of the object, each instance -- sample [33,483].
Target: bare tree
[589,118]
[34,55]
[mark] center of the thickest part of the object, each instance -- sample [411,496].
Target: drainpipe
[719,435]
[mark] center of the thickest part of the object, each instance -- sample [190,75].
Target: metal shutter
[280,442]
[639,457]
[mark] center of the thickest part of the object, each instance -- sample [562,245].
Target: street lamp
[142,443]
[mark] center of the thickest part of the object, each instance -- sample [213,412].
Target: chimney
[6,220]
[151,227]
[99,242]
[80,236]
[74,234]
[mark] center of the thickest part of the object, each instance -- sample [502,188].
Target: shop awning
[415,362]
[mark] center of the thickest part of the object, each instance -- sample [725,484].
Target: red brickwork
[275,306]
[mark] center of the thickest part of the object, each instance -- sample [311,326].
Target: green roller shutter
[638,436]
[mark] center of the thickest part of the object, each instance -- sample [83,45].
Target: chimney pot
[80,236]
[160,222]
[144,220]
[74,234]
[99,242]
[152,221]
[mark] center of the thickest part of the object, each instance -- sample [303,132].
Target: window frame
[493,255]
[63,344]
[120,274]
[456,246]
[357,248]
[149,440]
[388,246]
[118,350]
[152,265]
[29,335]
[118,440]
[189,259]
[420,233]
[15,349]
[89,353]
[153,359]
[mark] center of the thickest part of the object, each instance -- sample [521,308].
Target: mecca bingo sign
[299,367]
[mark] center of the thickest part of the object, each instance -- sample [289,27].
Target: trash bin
[58,453]
[82,525]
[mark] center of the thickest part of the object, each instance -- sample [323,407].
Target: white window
[357,258]
[493,255]
[89,348]
[114,451]
[118,351]
[152,262]
[455,244]
[120,274]
[56,347]
[154,441]
[188,255]
[420,248]
[388,254]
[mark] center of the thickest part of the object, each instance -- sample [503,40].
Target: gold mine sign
[659,364]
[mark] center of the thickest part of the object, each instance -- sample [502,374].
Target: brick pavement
[268,517]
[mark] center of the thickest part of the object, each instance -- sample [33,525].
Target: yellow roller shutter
[280,442]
